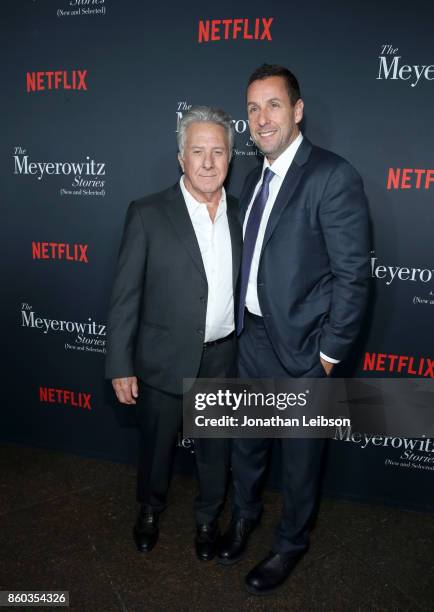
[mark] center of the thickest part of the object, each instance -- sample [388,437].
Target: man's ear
[181,162]
[298,110]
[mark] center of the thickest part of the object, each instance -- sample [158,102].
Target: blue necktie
[250,237]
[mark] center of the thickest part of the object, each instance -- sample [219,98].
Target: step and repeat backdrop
[92,91]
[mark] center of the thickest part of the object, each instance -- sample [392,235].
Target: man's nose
[207,160]
[262,118]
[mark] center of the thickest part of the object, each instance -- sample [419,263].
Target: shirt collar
[281,165]
[194,206]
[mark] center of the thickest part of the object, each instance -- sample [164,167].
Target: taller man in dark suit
[303,289]
[172,317]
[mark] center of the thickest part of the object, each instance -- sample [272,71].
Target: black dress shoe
[271,573]
[234,541]
[206,541]
[146,530]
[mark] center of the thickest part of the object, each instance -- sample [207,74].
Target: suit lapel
[177,212]
[178,215]
[289,185]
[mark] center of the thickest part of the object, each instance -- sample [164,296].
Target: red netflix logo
[77,399]
[60,250]
[402,364]
[226,29]
[56,79]
[409,178]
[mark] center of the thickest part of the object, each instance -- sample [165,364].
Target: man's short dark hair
[270,70]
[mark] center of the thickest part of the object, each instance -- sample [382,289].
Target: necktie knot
[268,175]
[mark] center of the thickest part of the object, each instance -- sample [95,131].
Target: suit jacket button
[202,299]
[200,332]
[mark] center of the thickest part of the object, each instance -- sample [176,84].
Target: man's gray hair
[205,114]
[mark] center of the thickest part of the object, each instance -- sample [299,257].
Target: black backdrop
[367,85]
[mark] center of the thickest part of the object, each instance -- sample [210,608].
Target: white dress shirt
[279,167]
[215,246]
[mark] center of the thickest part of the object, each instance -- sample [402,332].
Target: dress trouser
[300,457]
[159,419]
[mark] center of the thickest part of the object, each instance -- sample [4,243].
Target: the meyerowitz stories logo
[413,453]
[60,250]
[49,80]
[87,176]
[391,274]
[88,336]
[391,67]
[78,8]
[416,278]
[212,30]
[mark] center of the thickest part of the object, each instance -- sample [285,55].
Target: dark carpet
[66,525]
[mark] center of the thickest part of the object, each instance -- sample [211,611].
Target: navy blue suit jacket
[314,269]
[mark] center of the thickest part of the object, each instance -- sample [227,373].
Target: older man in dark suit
[172,317]
[303,290]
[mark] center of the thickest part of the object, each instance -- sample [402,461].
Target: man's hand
[126,389]
[328,367]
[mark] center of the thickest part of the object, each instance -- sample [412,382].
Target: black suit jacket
[314,270]
[156,321]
